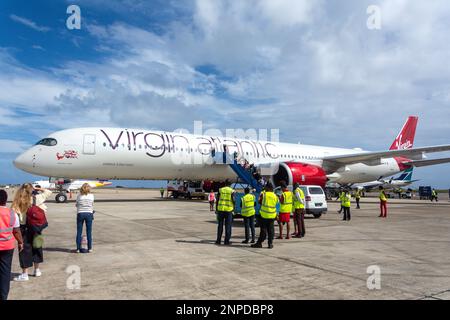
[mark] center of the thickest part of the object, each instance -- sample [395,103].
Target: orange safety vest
[7,221]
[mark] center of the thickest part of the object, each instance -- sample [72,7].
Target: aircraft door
[89,144]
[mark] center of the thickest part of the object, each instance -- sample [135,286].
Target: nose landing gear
[61,197]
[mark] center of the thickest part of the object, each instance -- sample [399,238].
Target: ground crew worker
[346,203]
[299,211]
[224,208]
[268,214]
[383,203]
[248,204]
[284,216]
[358,197]
[9,233]
[341,195]
[434,195]
[161,190]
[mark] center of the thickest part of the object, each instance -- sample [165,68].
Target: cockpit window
[50,142]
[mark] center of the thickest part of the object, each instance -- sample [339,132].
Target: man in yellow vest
[286,200]
[9,234]
[299,211]
[161,190]
[358,194]
[224,209]
[268,214]
[248,204]
[434,195]
[383,203]
[346,203]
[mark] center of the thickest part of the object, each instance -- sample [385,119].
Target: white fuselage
[114,153]
[387,184]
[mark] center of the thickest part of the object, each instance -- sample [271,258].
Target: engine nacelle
[303,173]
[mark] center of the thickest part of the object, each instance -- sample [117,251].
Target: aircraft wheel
[61,198]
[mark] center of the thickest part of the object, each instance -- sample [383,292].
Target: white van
[316,202]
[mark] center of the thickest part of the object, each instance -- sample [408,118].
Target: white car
[315,200]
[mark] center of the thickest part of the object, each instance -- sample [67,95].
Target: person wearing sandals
[85,215]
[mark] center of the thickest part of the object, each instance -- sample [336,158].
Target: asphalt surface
[151,248]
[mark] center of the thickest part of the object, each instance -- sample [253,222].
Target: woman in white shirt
[24,198]
[85,214]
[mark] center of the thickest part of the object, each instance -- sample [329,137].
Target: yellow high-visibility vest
[346,198]
[248,205]
[225,201]
[7,221]
[286,207]
[298,204]
[358,194]
[269,205]
[382,196]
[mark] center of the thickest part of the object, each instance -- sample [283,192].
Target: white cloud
[310,68]
[12,146]
[29,23]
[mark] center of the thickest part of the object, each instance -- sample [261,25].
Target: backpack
[36,216]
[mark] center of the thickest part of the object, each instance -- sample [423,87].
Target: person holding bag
[29,204]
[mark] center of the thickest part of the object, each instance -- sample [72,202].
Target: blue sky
[310,68]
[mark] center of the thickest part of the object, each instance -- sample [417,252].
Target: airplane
[70,185]
[405,179]
[135,154]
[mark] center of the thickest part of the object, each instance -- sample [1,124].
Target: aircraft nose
[21,162]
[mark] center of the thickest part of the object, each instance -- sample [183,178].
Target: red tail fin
[405,139]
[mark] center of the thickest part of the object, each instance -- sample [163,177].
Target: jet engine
[303,173]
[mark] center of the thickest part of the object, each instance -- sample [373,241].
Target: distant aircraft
[132,154]
[70,185]
[405,179]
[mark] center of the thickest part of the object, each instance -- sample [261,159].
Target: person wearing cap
[9,234]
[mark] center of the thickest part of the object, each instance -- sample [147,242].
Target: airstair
[244,176]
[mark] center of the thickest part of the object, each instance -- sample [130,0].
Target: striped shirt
[85,203]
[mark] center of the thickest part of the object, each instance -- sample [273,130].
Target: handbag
[38,241]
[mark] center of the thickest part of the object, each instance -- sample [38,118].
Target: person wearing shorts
[212,200]
[284,216]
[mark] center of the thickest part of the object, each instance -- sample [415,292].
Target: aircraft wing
[423,163]
[332,163]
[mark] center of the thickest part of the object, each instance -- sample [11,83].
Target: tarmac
[146,247]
